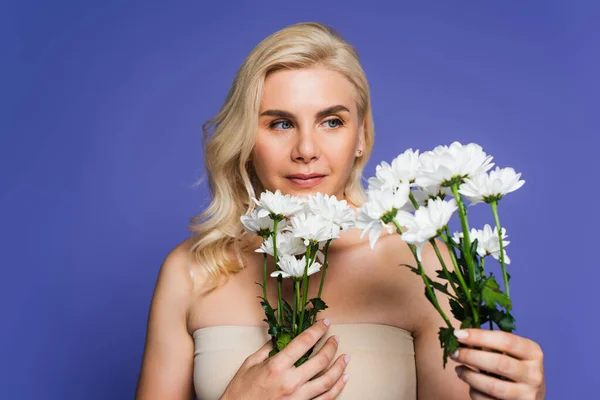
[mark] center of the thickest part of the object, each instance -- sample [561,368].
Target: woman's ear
[360,148]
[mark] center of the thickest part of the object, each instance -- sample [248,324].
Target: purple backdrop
[101,109]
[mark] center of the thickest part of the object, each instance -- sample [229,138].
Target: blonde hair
[228,149]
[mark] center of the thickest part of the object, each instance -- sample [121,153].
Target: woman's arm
[167,366]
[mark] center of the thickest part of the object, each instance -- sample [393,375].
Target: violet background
[100,116]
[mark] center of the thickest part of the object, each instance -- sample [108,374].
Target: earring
[359,153]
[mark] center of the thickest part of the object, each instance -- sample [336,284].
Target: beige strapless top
[382,364]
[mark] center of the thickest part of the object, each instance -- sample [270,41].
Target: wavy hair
[228,138]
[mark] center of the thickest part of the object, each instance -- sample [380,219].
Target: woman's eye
[286,124]
[338,122]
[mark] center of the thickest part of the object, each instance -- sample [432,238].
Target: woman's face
[308,134]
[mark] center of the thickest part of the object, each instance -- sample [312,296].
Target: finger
[301,344]
[491,386]
[319,361]
[260,355]
[477,395]
[336,389]
[517,346]
[499,364]
[328,385]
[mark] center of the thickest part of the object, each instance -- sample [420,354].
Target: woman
[298,119]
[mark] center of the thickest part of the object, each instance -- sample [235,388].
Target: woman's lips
[307,183]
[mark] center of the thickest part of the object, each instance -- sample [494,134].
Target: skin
[388,294]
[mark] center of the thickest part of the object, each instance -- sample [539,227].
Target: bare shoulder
[167,365]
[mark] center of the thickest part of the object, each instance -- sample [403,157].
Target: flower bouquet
[295,232]
[421,192]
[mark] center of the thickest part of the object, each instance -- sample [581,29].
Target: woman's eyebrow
[319,114]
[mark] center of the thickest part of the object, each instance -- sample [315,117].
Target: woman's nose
[307,146]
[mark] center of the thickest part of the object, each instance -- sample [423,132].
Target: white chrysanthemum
[286,244]
[294,268]
[446,162]
[404,169]
[427,222]
[336,211]
[260,225]
[278,204]
[492,186]
[380,205]
[311,227]
[487,241]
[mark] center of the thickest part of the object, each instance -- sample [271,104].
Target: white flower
[404,169]
[492,186]
[335,211]
[311,227]
[446,162]
[278,204]
[427,222]
[260,225]
[292,267]
[286,244]
[487,241]
[423,194]
[380,205]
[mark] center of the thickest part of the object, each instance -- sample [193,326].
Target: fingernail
[345,378]
[454,355]
[458,371]
[326,321]
[347,358]
[461,334]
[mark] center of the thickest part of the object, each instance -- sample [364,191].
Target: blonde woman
[298,118]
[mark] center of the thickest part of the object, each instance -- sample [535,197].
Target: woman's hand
[261,377]
[521,364]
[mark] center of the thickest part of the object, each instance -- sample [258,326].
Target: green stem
[482,265]
[428,288]
[483,273]
[413,200]
[296,304]
[279,278]
[446,272]
[446,238]
[502,263]
[325,264]
[462,212]
[304,289]
[265,276]
[461,279]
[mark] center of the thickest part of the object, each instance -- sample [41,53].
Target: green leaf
[467,323]
[504,320]
[448,342]
[305,357]
[318,304]
[457,310]
[283,340]
[442,288]
[274,330]
[413,269]
[474,245]
[492,295]
[286,307]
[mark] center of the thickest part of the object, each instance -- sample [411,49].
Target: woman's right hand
[276,377]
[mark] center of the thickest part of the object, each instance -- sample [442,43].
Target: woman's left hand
[522,365]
